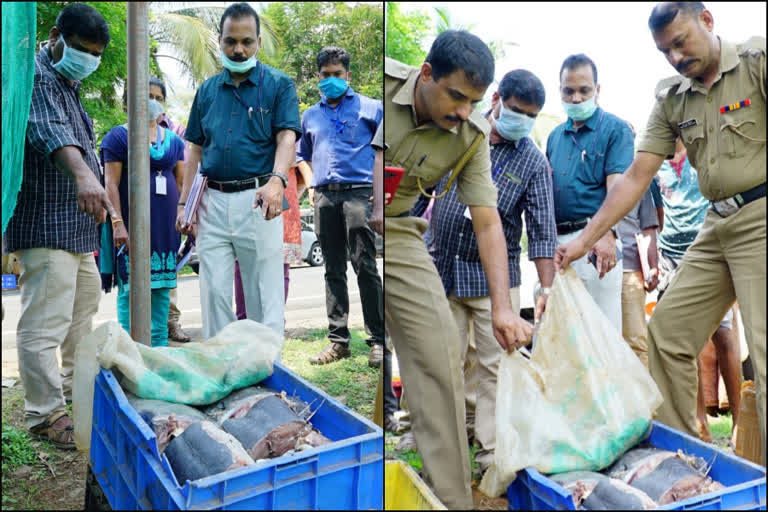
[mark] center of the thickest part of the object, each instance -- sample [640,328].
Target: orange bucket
[649,308]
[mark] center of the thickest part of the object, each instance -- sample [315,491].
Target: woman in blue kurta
[166,169]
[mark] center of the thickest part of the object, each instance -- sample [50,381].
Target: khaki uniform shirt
[727,149]
[428,152]
[378,138]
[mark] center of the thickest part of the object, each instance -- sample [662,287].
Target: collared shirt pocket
[740,127]
[349,132]
[693,139]
[595,163]
[260,124]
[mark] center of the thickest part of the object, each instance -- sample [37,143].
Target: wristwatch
[615,232]
[282,177]
[541,291]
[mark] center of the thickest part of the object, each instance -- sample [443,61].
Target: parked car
[308,217]
[310,245]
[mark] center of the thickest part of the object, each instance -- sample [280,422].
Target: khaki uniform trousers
[426,340]
[480,357]
[633,324]
[60,293]
[726,262]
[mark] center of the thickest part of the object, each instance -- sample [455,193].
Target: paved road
[305,308]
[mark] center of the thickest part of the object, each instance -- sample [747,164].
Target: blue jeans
[161,302]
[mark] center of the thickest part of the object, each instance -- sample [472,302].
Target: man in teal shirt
[586,154]
[242,129]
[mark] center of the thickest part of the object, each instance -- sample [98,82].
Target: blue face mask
[333,87]
[155,109]
[238,67]
[75,64]
[580,111]
[512,125]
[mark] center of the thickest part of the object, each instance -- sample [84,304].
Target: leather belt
[239,185]
[570,226]
[335,187]
[728,207]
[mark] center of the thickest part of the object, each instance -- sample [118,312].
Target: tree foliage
[304,28]
[446,22]
[192,34]
[405,34]
[98,91]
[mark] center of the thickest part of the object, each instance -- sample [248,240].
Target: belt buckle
[726,207]
[334,187]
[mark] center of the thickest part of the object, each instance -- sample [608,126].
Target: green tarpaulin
[18,72]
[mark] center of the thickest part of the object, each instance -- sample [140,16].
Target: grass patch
[17,448]
[351,380]
[413,458]
[186,270]
[721,428]
[12,401]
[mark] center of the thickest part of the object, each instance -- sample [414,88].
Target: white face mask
[155,110]
[513,125]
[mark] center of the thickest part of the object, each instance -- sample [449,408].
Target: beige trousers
[426,340]
[230,229]
[481,354]
[633,325]
[727,261]
[60,293]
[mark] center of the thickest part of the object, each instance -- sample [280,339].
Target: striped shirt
[523,178]
[46,214]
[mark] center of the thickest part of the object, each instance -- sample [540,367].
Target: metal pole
[138,170]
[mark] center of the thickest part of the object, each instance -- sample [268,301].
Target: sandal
[333,352]
[176,333]
[58,429]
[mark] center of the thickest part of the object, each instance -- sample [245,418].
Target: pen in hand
[119,252]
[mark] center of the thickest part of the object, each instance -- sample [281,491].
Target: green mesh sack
[240,355]
[18,75]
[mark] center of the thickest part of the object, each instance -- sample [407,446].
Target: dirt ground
[56,484]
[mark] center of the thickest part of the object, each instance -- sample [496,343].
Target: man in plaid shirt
[54,227]
[522,176]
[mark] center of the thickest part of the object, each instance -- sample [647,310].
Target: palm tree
[444,22]
[192,30]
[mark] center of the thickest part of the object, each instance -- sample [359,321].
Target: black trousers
[341,224]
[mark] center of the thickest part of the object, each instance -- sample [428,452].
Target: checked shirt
[46,214]
[523,178]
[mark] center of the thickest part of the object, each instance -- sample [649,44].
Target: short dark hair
[83,21]
[458,49]
[237,11]
[158,83]
[333,55]
[663,13]
[576,61]
[523,85]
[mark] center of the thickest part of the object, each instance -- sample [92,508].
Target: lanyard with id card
[161,184]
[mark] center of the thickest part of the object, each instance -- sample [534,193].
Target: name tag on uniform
[160,185]
[687,124]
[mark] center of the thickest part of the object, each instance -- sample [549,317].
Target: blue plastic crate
[9,281]
[744,480]
[346,474]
